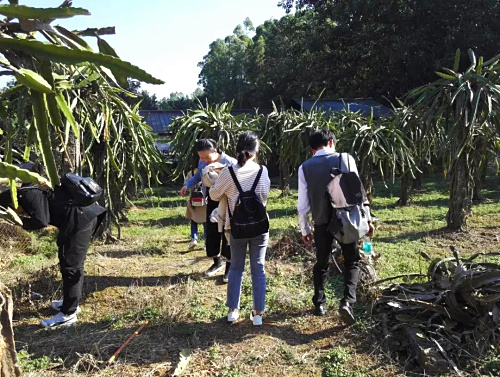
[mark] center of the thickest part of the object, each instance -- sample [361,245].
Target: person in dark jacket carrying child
[39,207]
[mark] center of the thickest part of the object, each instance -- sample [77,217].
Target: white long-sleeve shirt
[303,203]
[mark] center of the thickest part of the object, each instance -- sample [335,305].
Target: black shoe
[345,311]
[214,268]
[225,278]
[319,310]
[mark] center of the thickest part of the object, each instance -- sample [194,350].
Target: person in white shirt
[314,176]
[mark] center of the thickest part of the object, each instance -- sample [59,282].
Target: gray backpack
[347,196]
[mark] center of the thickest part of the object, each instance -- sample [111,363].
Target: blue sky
[167,38]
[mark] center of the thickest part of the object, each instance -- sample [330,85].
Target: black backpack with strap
[84,191]
[250,217]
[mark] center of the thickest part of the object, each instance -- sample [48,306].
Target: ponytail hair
[247,147]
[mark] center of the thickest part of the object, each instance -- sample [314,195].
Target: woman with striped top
[246,171]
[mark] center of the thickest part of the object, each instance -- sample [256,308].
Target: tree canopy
[350,48]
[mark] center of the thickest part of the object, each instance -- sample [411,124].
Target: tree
[286,132]
[224,69]
[178,101]
[149,101]
[70,97]
[206,121]
[351,48]
[375,144]
[464,107]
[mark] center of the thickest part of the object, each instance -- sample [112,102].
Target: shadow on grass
[49,286]
[121,254]
[162,222]
[439,202]
[149,203]
[282,213]
[413,236]
[86,347]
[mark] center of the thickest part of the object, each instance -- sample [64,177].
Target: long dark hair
[247,147]
[206,144]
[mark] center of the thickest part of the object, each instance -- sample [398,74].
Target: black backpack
[84,191]
[250,217]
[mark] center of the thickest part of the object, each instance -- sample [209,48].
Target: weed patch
[335,363]
[31,364]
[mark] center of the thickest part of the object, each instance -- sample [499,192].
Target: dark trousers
[72,255]
[215,242]
[324,244]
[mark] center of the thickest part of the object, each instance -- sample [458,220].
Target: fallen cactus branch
[449,321]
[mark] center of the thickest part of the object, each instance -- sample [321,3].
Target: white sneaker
[192,244]
[256,319]
[233,316]
[57,304]
[60,320]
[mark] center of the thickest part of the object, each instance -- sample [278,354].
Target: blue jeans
[257,248]
[194,230]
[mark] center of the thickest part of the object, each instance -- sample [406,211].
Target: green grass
[150,275]
[402,233]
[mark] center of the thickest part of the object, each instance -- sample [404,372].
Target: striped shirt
[246,176]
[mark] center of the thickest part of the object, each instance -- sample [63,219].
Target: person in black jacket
[39,207]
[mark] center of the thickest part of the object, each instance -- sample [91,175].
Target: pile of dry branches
[448,322]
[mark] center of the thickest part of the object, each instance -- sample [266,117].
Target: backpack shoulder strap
[348,162]
[257,179]
[231,170]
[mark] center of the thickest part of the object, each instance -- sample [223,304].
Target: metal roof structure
[362,105]
[160,120]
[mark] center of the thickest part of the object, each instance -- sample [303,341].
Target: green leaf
[13,192]
[23,12]
[41,124]
[33,80]
[61,54]
[73,37]
[66,110]
[105,48]
[11,91]
[13,172]
[445,76]
[472,57]
[456,63]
